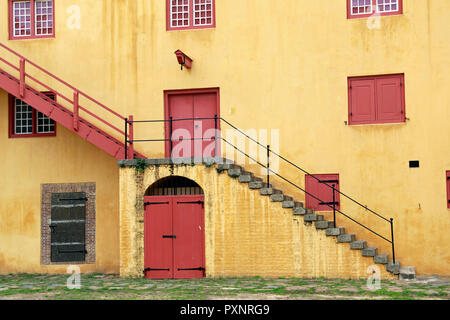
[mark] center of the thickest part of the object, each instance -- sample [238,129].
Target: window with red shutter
[362,95]
[448,189]
[376,99]
[319,189]
[389,99]
[190,14]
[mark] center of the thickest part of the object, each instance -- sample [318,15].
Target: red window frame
[34,134]
[33,24]
[321,191]
[448,189]
[374,12]
[191,17]
[376,117]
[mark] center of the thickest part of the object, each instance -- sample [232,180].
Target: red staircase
[16,80]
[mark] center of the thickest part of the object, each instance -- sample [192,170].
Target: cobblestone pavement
[101,286]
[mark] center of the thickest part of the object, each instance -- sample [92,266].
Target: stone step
[300,211]
[292,204]
[393,267]
[258,184]
[381,259]
[224,166]
[358,245]
[280,197]
[346,238]
[227,165]
[312,217]
[235,171]
[245,177]
[407,273]
[370,252]
[335,231]
[323,224]
[266,191]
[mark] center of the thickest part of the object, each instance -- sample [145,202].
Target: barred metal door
[68,227]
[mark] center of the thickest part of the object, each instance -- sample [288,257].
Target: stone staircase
[311,217]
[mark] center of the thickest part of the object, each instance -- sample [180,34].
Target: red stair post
[22,78]
[75,110]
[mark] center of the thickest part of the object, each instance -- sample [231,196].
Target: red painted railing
[24,63]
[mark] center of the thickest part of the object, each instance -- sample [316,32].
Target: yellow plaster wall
[245,233]
[29,162]
[284,65]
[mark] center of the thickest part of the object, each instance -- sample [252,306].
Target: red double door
[193,121]
[174,237]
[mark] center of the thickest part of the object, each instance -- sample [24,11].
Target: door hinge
[329,203]
[150,203]
[192,269]
[154,269]
[195,202]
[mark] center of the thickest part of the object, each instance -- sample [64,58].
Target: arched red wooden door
[174,238]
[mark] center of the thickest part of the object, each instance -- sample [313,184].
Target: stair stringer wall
[245,233]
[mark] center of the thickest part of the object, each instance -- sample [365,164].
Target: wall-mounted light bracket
[183,59]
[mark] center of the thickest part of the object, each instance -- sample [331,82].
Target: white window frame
[14,16]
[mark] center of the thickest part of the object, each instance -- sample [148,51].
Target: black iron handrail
[129,140]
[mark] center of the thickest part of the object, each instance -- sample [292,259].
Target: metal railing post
[334,206]
[170,138]
[215,136]
[126,138]
[392,239]
[131,140]
[268,166]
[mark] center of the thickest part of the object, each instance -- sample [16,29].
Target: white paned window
[23,117]
[31,19]
[44,18]
[203,12]
[387,5]
[190,14]
[44,124]
[361,7]
[21,18]
[28,121]
[179,13]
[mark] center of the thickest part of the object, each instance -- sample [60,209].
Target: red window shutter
[390,106]
[448,189]
[321,191]
[362,101]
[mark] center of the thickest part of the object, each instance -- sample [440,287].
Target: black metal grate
[174,186]
[68,224]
